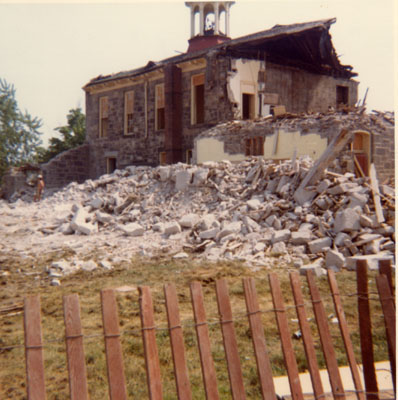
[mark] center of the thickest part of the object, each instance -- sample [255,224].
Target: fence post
[229,338]
[307,335]
[345,335]
[74,348]
[326,339]
[35,384]
[387,303]
[202,333]
[365,330]
[287,346]
[113,348]
[154,378]
[177,343]
[260,348]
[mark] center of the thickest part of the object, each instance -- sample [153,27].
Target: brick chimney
[210,15]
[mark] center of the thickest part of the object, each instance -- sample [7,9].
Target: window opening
[341,96]
[128,112]
[189,157]
[110,165]
[162,158]
[104,113]
[247,106]
[198,99]
[160,121]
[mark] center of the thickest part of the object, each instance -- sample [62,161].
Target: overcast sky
[50,50]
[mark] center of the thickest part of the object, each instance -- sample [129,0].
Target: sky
[50,49]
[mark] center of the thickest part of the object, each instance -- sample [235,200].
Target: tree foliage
[19,132]
[73,135]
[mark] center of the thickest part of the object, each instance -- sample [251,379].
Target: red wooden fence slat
[287,346]
[154,379]
[35,384]
[113,348]
[229,338]
[260,348]
[202,333]
[326,339]
[385,268]
[345,335]
[307,335]
[177,343]
[365,330]
[387,303]
[74,348]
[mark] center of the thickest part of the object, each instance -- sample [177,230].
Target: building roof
[305,45]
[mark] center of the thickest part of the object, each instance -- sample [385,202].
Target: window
[198,99]
[128,112]
[160,121]
[104,113]
[247,106]
[254,146]
[110,164]
[341,96]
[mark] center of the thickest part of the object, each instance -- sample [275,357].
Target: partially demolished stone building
[153,115]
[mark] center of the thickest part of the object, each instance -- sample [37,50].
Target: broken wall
[69,166]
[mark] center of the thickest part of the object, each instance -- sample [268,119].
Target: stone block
[227,229]
[200,176]
[347,220]
[189,220]
[319,245]
[278,248]
[282,235]
[183,179]
[301,237]
[340,239]
[334,259]
[96,203]
[171,228]
[253,204]
[164,173]
[132,229]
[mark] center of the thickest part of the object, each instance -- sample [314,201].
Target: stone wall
[69,166]
[301,91]
[383,154]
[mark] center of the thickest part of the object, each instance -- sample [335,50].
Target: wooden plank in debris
[326,339]
[151,354]
[230,343]
[202,333]
[365,331]
[307,335]
[74,348]
[284,332]
[388,306]
[345,335]
[113,348]
[374,185]
[335,147]
[177,343]
[260,348]
[35,384]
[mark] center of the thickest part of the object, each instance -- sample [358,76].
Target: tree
[73,135]
[19,132]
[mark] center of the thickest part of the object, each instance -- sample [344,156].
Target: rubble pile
[218,210]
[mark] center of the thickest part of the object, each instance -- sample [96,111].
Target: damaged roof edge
[255,38]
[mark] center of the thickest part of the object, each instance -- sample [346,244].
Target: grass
[154,273]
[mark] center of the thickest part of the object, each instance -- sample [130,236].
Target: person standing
[39,188]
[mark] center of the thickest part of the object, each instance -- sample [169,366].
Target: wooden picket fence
[116,377]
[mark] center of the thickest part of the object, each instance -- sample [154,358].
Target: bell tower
[207,18]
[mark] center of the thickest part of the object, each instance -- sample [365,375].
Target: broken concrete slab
[320,245]
[132,229]
[347,220]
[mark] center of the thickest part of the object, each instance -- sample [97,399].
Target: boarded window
[128,112]
[104,114]
[254,146]
[160,121]
[198,99]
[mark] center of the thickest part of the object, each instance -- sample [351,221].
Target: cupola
[208,18]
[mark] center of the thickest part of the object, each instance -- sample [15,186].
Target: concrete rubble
[215,211]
